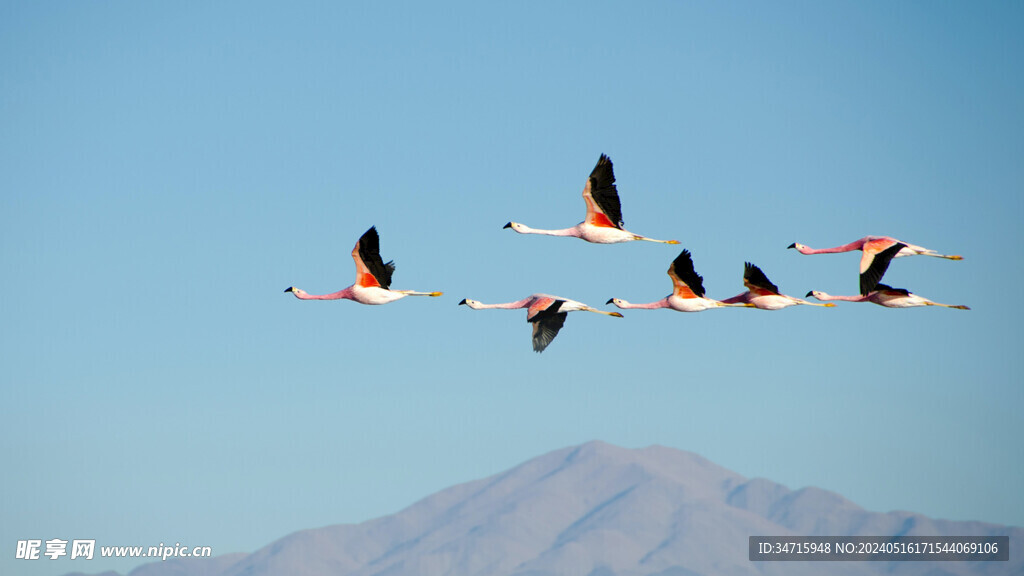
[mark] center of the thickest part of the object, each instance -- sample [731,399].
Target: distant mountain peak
[595,509]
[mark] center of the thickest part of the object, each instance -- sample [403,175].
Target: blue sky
[167,170]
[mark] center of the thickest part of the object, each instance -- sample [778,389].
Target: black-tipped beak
[289,289]
[808,295]
[793,245]
[463,302]
[509,225]
[609,300]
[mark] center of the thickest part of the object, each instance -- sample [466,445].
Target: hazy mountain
[598,510]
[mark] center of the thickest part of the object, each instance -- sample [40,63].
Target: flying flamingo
[882,294]
[761,293]
[546,313]
[604,213]
[687,290]
[373,277]
[885,296]
[871,246]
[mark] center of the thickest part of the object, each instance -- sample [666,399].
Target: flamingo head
[297,291]
[799,247]
[817,294]
[617,301]
[471,303]
[515,226]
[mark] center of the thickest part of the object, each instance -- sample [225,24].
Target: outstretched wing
[757,282]
[546,326]
[544,314]
[686,283]
[370,267]
[870,278]
[603,208]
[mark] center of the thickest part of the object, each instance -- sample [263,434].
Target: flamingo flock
[872,291]
[687,290]
[603,225]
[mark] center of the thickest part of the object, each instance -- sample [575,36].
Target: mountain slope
[599,510]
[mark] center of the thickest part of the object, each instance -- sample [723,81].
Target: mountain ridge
[597,510]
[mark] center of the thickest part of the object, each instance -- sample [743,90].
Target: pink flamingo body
[373,277]
[687,291]
[603,224]
[547,314]
[871,246]
[762,294]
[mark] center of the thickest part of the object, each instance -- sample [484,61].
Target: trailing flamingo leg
[638,237]
[589,309]
[958,307]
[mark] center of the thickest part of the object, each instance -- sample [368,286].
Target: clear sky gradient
[167,170]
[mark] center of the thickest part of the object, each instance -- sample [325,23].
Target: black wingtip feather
[683,268]
[369,252]
[546,325]
[887,288]
[545,329]
[753,275]
[603,190]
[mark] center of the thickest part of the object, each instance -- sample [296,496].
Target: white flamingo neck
[855,245]
[571,232]
[829,297]
[339,295]
[503,306]
[625,305]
